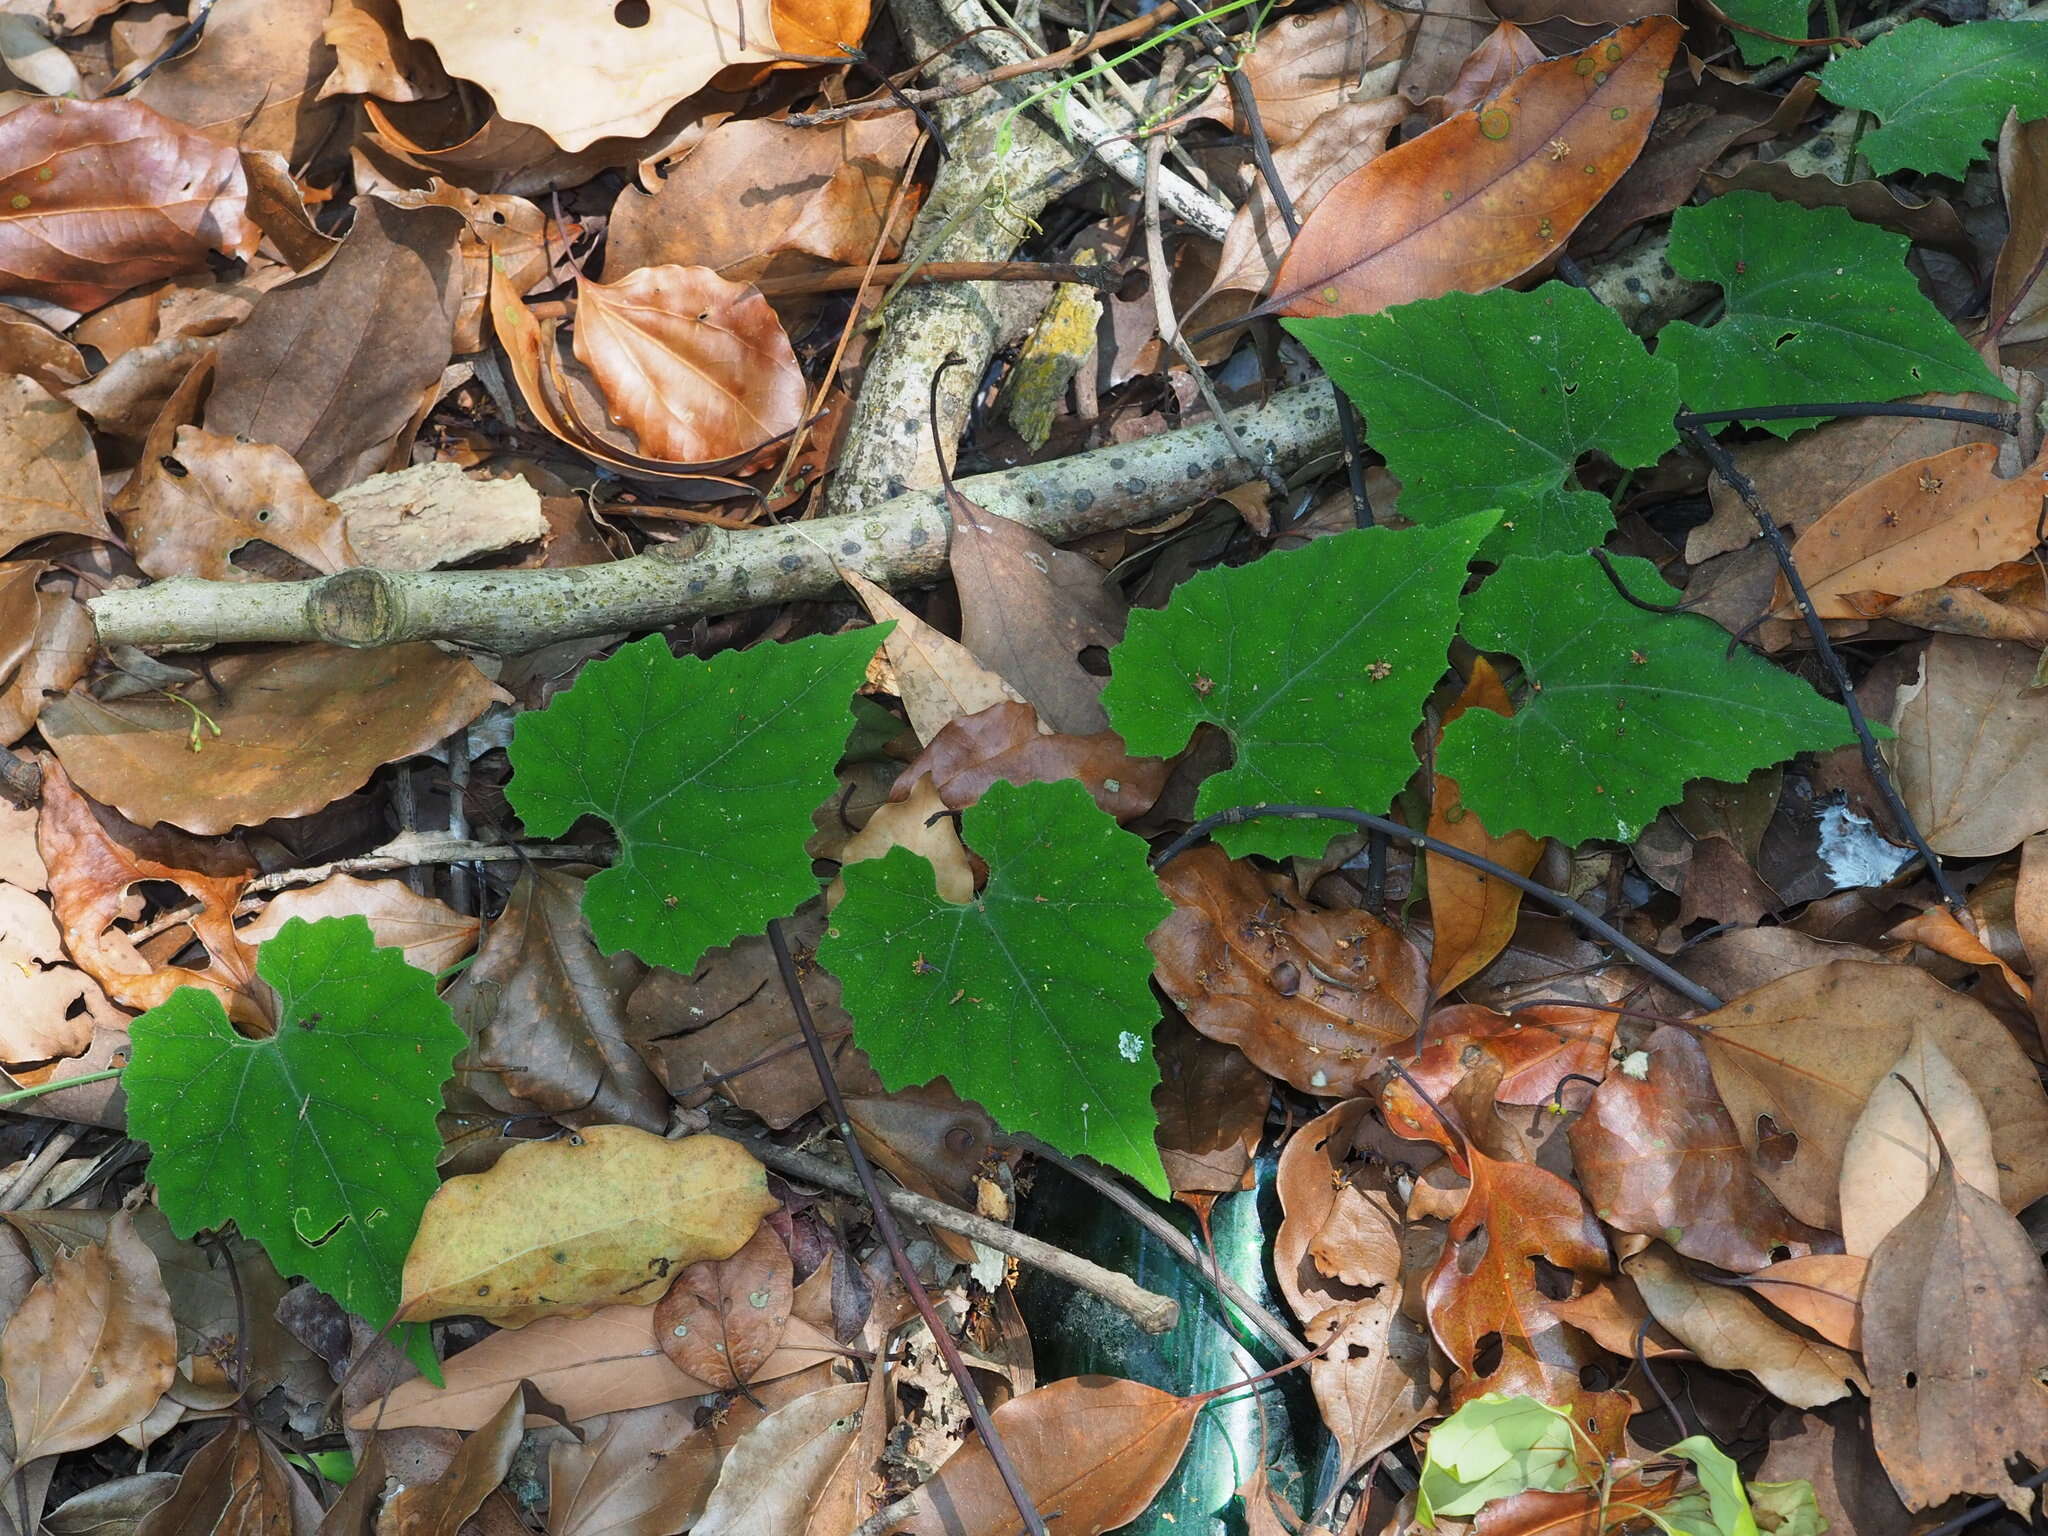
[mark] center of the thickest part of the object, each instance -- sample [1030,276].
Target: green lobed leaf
[1941,92]
[1820,308]
[1490,399]
[1720,1507]
[1786,18]
[1622,708]
[1494,1448]
[319,1142]
[1315,661]
[708,771]
[1035,997]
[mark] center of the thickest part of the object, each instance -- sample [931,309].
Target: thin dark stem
[1998,421]
[1557,901]
[885,1224]
[1678,1422]
[1725,466]
[1606,564]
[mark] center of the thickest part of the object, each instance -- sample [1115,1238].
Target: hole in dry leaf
[1094,661]
[1775,1146]
[1486,1356]
[1552,1280]
[1912,1378]
[173,468]
[631,13]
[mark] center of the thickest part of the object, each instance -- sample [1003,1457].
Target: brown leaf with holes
[723,1318]
[697,368]
[213,495]
[299,728]
[1537,1050]
[1339,1235]
[1657,1154]
[95,857]
[91,1349]
[1312,996]
[1484,196]
[97,197]
[1376,1381]
[1004,742]
[1211,1102]
[51,476]
[1473,914]
[1955,1333]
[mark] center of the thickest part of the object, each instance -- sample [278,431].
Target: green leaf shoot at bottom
[320,1142]
[1494,1448]
[1621,707]
[1034,998]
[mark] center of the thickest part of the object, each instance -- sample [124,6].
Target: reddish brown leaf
[1211,1103]
[237,1483]
[1955,1332]
[1094,1448]
[1583,1512]
[212,495]
[696,367]
[1363,1247]
[1657,1154]
[298,729]
[97,197]
[1536,1049]
[723,1318]
[1310,995]
[1487,69]
[1488,194]
[1004,742]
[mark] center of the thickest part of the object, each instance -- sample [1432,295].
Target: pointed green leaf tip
[319,1142]
[1820,308]
[1314,661]
[1621,707]
[1941,92]
[1035,997]
[708,771]
[1490,400]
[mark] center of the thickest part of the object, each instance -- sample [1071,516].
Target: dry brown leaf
[1914,528]
[1972,752]
[1955,1332]
[918,822]
[430,934]
[95,857]
[646,1472]
[374,57]
[1487,69]
[212,495]
[51,475]
[1822,1290]
[249,79]
[1311,996]
[1211,1102]
[1919,1111]
[1093,1447]
[760,196]
[91,1349]
[723,1317]
[587,69]
[605,1363]
[439,1507]
[52,1006]
[103,196]
[777,1473]
[1309,64]
[564,1228]
[332,367]
[546,1010]
[1005,741]
[238,1482]
[1311,1184]
[696,367]
[1830,1447]
[1795,1060]
[2019,298]
[1486,195]
[1376,1381]
[1729,1331]
[937,678]
[504,236]
[300,727]
[31,347]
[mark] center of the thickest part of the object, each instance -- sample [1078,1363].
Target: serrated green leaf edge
[1054,1039]
[707,771]
[1491,399]
[1762,252]
[224,1114]
[1929,118]
[1544,772]
[1376,609]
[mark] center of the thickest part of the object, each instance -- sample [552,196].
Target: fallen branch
[900,542]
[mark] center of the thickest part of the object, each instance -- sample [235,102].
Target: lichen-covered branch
[901,542]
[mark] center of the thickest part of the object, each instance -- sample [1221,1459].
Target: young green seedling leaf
[1314,661]
[1940,92]
[1720,1505]
[319,1142]
[1786,18]
[1494,1448]
[1820,308]
[1034,998]
[1490,399]
[1622,706]
[707,770]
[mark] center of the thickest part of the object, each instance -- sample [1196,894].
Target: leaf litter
[444,966]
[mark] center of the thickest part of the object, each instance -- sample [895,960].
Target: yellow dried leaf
[562,1228]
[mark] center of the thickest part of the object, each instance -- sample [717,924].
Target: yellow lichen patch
[1057,347]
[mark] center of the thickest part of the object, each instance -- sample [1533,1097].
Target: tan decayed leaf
[1486,195]
[776,1472]
[434,514]
[605,1363]
[430,934]
[1972,752]
[698,368]
[1918,1110]
[1728,1330]
[1822,1290]
[439,1507]
[52,1007]
[937,678]
[562,1228]
[918,822]
[646,1472]
[1376,1380]
[97,197]
[1005,741]
[91,1349]
[1092,1447]
[51,478]
[583,70]
[213,494]
[723,1317]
